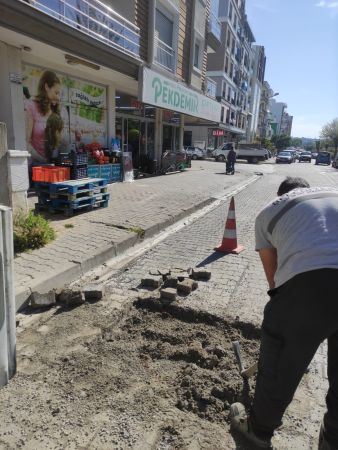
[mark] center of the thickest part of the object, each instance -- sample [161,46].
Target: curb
[73,270]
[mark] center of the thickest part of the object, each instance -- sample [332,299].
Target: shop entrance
[137,137]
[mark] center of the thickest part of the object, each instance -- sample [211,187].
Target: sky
[301,45]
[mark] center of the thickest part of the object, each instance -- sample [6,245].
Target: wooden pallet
[72,186]
[100,203]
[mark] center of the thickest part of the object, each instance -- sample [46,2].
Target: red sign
[217,132]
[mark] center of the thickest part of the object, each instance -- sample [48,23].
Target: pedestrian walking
[231,160]
[297,239]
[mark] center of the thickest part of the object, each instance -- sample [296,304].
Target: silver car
[195,152]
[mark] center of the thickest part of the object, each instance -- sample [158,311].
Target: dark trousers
[300,315]
[230,167]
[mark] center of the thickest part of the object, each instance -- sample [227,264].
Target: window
[222,114]
[226,66]
[164,28]
[228,39]
[197,55]
[230,11]
[224,89]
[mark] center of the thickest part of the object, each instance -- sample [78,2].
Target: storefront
[175,104]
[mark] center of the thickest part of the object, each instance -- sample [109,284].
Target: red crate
[50,174]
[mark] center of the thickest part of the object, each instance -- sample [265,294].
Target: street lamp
[274,95]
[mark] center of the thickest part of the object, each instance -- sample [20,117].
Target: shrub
[31,231]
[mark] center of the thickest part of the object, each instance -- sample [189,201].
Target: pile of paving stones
[167,284]
[67,297]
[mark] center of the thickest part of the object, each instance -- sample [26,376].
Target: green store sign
[165,93]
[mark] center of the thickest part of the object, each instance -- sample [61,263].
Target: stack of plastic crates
[79,168]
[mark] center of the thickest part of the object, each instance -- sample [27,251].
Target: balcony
[94,19]
[211,88]
[164,55]
[214,32]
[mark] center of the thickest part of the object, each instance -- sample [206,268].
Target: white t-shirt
[303,226]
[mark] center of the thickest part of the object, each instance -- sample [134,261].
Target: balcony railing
[164,55]
[95,19]
[214,26]
[211,88]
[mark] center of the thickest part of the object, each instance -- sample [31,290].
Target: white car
[195,152]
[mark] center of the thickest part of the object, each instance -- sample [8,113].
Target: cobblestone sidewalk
[137,209]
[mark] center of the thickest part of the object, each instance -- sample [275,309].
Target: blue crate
[105,172]
[116,172]
[93,171]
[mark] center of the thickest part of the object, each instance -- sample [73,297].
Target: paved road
[238,287]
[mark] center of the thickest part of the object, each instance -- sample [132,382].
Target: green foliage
[31,231]
[296,142]
[281,141]
[330,132]
[309,147]
[267,143]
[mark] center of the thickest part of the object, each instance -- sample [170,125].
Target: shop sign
[218,132]
[165,93]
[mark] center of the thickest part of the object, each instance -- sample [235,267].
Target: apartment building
[229,69]
[258,63]
[277,110]
[131,70]
[286,124]
[264,119]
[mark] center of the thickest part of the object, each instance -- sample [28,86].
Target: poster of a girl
[38,110]
[53,131]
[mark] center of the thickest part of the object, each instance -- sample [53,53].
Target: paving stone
[168,295]
[71,297]
[94,292]
[186,286]
[152,281]
[38,300]
[170,282]
[201,274]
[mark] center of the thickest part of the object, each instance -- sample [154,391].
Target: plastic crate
[80,159]
[94,171]
[50,174]
[79,172]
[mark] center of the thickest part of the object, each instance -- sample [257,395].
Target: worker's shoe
[323,444]
[240,422]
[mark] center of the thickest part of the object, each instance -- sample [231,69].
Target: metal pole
[7,298]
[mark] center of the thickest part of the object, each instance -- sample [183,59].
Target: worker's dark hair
[291,183]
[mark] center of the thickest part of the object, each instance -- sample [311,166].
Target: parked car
[323,158]
[314,155]
[284,157]
[195,152]
[305,156]
[335,162]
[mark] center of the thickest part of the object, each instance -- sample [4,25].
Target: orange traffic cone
[229,242]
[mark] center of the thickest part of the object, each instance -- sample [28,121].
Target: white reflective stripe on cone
[230,234]
[231,214]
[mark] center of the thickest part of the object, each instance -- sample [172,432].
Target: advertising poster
[61,112]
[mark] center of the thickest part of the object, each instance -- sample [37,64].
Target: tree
[330,132]
[281,141]
[296,142]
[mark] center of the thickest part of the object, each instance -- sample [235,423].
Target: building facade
[258,64]
[229,69]
[264,119]
[132,71]
[286,124]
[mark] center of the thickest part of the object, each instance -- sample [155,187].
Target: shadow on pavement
[211,258]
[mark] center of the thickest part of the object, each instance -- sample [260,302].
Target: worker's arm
[269,260]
